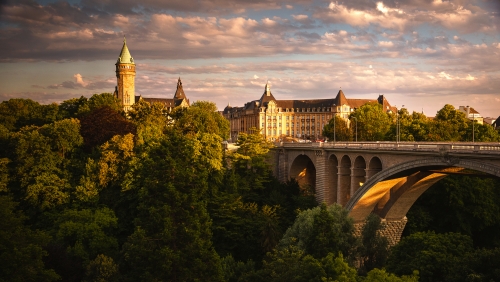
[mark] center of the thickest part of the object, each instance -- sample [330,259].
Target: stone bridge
[384,178]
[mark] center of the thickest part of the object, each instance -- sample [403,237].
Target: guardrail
[400,146]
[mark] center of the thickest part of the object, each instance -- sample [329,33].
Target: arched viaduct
[384,178]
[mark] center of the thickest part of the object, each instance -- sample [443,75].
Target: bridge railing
[401,146]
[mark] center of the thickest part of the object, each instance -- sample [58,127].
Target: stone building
[125,89]
[301,119]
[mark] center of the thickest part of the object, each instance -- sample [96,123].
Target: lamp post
[398,125]
[473,121]
[356,128]
[334,115]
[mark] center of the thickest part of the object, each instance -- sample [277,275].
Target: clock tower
[125,76]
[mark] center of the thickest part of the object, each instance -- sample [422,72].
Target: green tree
[200,117]
[373,122]
[374,248]
[342,131]
[460,203]
[43,162]
[448,125]
[151,121]
[250,163]
[435,256]
[21,249]
[322,230]
[73,107]
[16,113]
[380,275]
[172,238]
[291,264]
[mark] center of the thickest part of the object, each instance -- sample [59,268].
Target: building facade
[125,88]
[301,119]
[471,114]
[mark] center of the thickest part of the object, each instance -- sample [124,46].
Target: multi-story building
[125,89]
[303,119]
[471,114]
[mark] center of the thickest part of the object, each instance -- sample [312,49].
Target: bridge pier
[392,229]
[344,183]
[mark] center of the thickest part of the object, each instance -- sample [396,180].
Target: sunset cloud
[226,50]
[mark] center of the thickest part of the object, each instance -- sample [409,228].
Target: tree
[322,230]
[342,131]
[73,107]
[201,117]
[151,121]
[460,203]
[101,125]
[21,249]
[77,107]
[448,125]
[43,161]
[16,113]
[172,238]
[373,122]
[374,248]
[435,256]
[250,163]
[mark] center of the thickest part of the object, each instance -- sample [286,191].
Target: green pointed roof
[125,57]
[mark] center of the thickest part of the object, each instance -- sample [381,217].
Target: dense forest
[89,193]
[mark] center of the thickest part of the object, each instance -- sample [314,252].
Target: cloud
[407,15]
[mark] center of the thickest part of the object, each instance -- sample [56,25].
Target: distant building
[471,114]
[125,88]
[489,120]
[303,119]
[496,123]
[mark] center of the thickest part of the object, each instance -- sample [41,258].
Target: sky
[420,54]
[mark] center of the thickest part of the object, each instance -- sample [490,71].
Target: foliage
[435,256]
[200,117]
[342,131]
[101,125]
[102,269]
[172,238]
[374,248]
[17,113]
[380,275]
[250,161]
[458,203]
[322,230]
[42,162]
[77,107]
[21,249]
[373,122]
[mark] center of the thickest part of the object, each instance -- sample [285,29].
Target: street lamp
[334,115]
[473,121]
[398,125]
[356,128]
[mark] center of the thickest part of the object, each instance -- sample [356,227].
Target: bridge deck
[459,147]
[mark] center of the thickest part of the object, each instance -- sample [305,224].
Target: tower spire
[268,88]
[125,57]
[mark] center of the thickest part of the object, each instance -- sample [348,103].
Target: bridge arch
[374,166]
[303,170]
[358,173]
[391,192]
